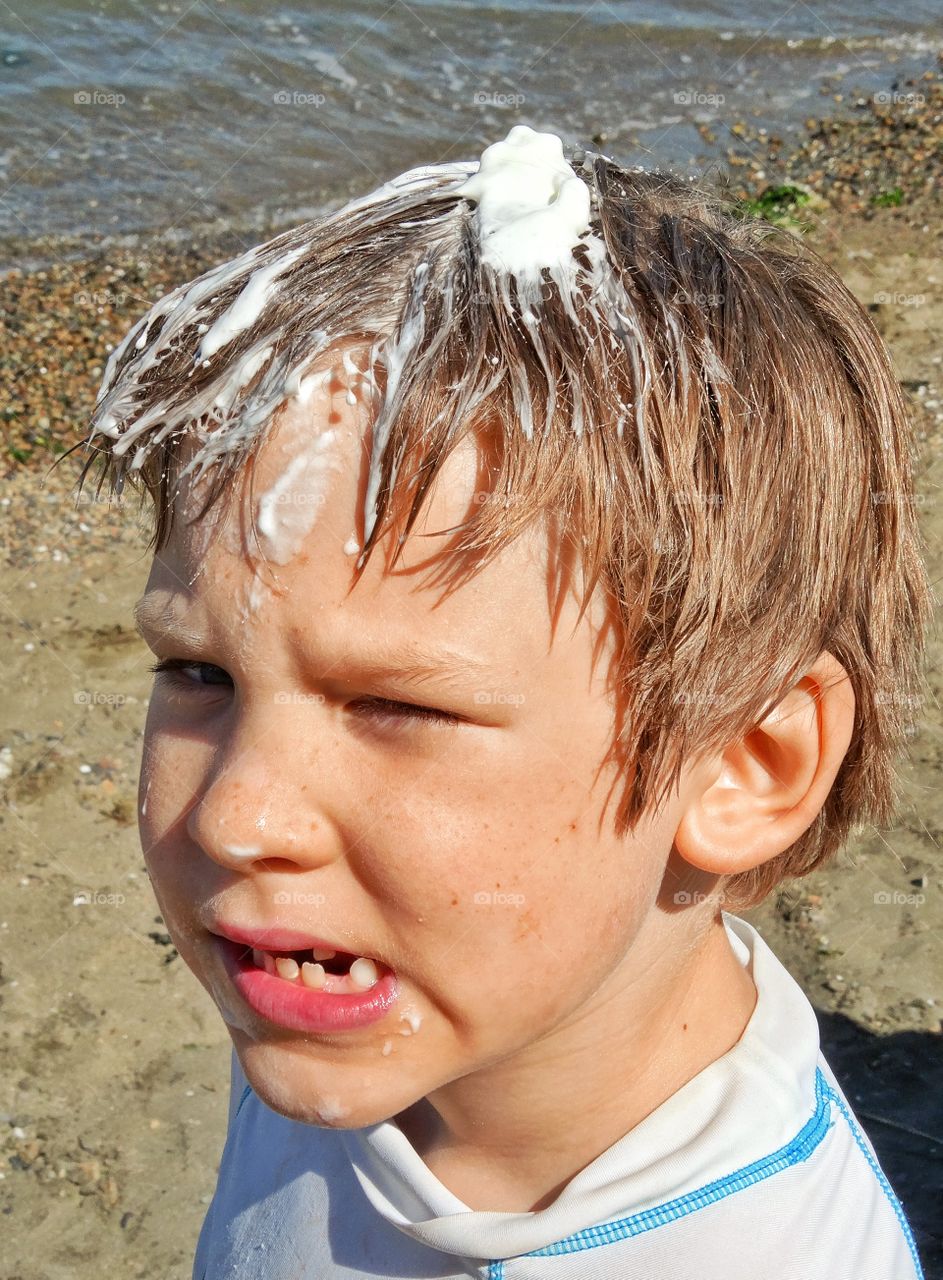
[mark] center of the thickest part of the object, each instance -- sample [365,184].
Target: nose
[251,811]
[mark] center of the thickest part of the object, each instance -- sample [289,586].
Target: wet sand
[115,1062]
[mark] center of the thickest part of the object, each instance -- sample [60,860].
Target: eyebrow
[406,661]
[412,664]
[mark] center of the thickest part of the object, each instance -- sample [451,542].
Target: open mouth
[317,969]
[305,983]
[315,989]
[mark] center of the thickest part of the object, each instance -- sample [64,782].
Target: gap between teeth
[363,972]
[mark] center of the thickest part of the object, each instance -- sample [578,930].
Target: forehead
[309,479]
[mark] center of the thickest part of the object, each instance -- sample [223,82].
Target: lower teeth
[363,973]
[313,976]
[362,976]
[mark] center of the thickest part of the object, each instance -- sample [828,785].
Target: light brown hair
[726,446]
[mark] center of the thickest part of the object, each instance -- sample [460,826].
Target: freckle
[684,1026]
[525,925]
[455,902]
[305,787]
[572,826]
[314,826]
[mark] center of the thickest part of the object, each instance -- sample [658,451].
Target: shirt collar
[749,1102]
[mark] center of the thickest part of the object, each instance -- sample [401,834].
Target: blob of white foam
[332,1109]
[532,208]
[242,850]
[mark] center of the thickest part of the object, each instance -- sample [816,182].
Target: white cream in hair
[530,212]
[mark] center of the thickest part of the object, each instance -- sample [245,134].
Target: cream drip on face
[330,1109]
[247,851]
[288,510]
[413,1019]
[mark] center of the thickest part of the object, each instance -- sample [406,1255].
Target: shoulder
[818,1206]
[765,1169]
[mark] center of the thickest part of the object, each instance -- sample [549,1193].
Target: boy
[459,867]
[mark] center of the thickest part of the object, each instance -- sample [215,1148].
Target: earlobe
[757,797]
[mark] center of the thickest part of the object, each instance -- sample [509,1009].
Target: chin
[315,1085]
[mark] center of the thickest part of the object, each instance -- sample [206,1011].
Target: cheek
[445,834]
[171,770]
[505,887]
[163,768]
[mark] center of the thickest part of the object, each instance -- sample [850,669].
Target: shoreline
[883,159]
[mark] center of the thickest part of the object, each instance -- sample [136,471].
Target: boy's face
[476,859]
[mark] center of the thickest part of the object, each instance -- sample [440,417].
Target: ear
[760,794]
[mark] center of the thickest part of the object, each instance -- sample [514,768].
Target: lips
[283,941]
[302,981]
[308,999]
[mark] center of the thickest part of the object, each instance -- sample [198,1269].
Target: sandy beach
[114,1061]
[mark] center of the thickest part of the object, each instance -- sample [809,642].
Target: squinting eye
[175,667]
[381,709]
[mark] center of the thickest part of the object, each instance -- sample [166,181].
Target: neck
[509,1138]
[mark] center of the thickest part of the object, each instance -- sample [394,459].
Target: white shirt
[756,1169]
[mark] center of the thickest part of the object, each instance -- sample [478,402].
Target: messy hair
[714,423]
